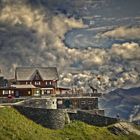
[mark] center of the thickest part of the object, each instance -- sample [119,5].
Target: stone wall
[46,103]
[57,118]
[92,119]
[85,103]
[50,118]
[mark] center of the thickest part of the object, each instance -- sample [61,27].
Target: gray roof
[23,86]
[26,73]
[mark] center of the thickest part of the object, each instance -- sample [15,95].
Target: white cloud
[114,71]
[89,57]
[127,50]
[124,32]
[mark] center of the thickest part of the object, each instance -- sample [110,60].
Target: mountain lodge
[31,81]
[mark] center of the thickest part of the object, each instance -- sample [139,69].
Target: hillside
[14,126]
[125,102]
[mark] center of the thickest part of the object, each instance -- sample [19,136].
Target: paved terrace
[4,101]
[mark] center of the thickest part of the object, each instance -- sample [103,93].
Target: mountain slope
[124,102]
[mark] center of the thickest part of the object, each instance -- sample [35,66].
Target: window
[90,102]
[48,82]
[37,76]
[48,92]
[7,91]
[4,92]
[37,83]
[83,102]
[60,102]
[37,92]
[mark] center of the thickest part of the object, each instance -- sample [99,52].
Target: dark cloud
[32,35]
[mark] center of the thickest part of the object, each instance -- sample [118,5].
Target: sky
[89,41]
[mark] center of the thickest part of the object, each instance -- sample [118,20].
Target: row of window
[84,102]
[5,92]
[8,92]
[39,83]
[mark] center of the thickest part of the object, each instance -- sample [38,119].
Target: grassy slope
[14,126]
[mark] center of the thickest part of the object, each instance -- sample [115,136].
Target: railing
[80,95]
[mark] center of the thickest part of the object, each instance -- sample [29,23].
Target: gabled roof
[26,73]
[36,73]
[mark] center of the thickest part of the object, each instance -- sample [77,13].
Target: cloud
[39,19]
[127,50]
[117,67]
[124,33]
[101,81]
[88,57]
[34,36]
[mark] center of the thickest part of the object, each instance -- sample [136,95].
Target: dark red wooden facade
[43,78]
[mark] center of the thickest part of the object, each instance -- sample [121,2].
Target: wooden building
[3,81]
[43,78]
[18,90]
[63,91]
[32,81]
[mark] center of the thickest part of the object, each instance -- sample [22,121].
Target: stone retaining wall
[92,119]
[50,118]
[57,118]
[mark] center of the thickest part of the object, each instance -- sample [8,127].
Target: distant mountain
[125,102]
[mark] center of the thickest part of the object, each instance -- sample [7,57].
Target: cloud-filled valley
[34,35]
